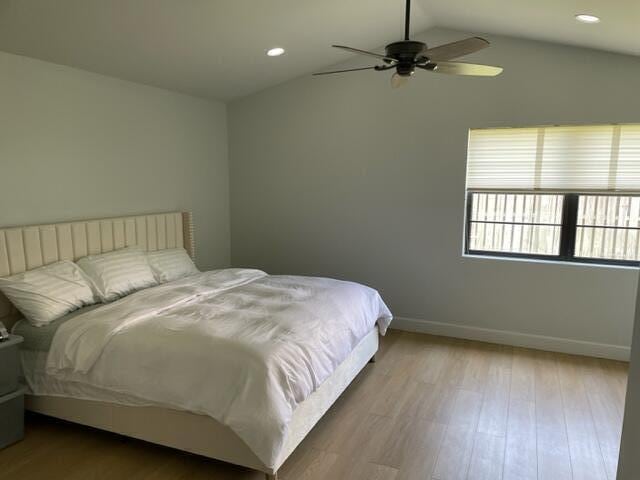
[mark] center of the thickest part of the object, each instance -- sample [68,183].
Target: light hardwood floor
[431,407]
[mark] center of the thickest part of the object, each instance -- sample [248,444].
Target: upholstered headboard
[28,247]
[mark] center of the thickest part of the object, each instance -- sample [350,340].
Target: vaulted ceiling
[216,48]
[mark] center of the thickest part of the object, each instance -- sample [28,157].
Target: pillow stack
[50,292]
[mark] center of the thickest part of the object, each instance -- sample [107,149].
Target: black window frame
[568,229]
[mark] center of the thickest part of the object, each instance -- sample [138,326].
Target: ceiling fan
[407,55]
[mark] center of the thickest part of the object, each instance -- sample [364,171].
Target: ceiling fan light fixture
[587,18]
[399,80]
[275,52]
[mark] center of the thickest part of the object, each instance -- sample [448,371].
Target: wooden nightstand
[11,393]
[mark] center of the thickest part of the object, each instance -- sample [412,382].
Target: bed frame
[29,247]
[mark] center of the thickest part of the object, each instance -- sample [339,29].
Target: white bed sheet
[38,382]
[267,342]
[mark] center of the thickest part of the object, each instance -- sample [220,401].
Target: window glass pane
[517,208]
[515,238]
[608,227]
[516,223]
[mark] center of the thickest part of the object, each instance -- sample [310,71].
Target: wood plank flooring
[430,408]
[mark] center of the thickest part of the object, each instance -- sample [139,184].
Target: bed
[191,428]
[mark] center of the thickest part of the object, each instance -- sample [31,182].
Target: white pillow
[47,293]
[118,273]
[171,264]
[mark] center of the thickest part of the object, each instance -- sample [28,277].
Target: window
[607,227]
[515,223]
[562,193]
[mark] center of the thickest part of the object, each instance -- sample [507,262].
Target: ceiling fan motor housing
[407,53]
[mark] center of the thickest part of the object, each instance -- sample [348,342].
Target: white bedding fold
[237,344]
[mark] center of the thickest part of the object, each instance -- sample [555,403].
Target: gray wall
[345,177]
[75,144]
[629,463]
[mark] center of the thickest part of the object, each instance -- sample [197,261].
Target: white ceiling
[215,48]
[549,20]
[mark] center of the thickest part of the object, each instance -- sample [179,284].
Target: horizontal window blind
[585,158]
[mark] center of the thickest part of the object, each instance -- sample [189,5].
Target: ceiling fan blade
[364,52]
[347,70]
[457,49]
[459,68]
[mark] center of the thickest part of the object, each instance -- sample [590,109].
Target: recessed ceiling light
[275,52]
[586,18]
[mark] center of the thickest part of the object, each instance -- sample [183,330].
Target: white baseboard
[506,337]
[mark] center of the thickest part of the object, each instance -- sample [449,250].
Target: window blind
[585,158]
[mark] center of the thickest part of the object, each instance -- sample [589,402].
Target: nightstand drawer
[11,417]
[9,365]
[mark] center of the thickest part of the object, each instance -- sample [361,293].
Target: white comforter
[239,345]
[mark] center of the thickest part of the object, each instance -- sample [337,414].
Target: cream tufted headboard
[29,247]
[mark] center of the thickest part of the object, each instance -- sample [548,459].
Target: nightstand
[11,393]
